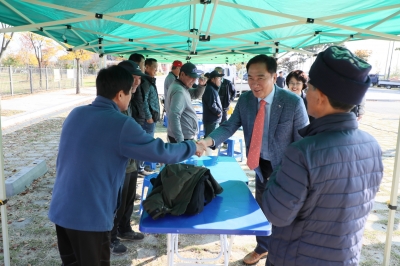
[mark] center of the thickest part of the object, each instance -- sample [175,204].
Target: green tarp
[171,29]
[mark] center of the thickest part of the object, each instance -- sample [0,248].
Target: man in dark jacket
[148,113]
[319,199]
[212,108]
[280,80]
[227,93]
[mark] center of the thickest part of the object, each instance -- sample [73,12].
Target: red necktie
[253,158]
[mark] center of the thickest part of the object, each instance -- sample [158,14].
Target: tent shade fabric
[223,31]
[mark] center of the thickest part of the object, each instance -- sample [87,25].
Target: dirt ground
[32,236]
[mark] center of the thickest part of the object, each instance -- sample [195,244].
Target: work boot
[253,257]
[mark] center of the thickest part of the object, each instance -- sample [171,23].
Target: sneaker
[117,248]
[145,173]
[131,236]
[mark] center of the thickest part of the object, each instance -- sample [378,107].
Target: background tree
[37,43]
[11,60]
[5,39]
[79,56]
[363,54]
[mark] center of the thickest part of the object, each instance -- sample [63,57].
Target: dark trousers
[173,140]
[224,116]
[266,170]
[268,263]
[122,220]
[208,128]
[150,129]
[81,248]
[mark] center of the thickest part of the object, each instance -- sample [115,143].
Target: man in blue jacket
[212,107]
[96,143]
[319,199]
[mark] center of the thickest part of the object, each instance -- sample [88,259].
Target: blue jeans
[149,128]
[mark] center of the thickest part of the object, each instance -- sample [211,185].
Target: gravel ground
[32,235]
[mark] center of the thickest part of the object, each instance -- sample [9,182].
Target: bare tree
[5,39]
[79,56]
[39,44]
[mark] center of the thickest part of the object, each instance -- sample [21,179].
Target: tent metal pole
[371,10]
[199,31]
[212,17]
[3,209]
[34,27]
[29,20]
[393,202]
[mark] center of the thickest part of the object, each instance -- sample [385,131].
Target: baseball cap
[177,63]
[132,68]
[190,70]
[215,74]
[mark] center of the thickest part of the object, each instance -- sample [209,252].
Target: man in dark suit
[283,114]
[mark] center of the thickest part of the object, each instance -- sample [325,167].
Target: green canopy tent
[200,31]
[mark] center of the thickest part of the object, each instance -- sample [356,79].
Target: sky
[380,56]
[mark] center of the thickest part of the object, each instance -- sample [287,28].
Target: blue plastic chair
[146,184]
[152,165]
[201,129]
[230,151]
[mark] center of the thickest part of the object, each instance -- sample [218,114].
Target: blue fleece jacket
[96,142]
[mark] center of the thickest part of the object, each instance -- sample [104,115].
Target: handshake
[201,145]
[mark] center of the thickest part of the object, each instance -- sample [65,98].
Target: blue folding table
[221,167]
[233,212]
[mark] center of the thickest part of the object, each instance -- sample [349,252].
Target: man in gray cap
[182,118]
[319,199]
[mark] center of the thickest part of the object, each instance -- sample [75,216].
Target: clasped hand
[201,146]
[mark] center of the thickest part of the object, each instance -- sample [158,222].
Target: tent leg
[393,202]
[3,210]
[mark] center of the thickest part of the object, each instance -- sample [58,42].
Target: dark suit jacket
[288,115]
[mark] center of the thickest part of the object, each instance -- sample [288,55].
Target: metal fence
[29,80]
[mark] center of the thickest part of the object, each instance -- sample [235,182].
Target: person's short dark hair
[270,63]
[298,75]
[337,104]
[149,61]
[113,79]
[280,72]
[137,58]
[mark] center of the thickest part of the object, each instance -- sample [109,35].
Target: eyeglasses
[296,84]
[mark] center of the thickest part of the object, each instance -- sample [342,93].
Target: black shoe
[117,248]
[131,236]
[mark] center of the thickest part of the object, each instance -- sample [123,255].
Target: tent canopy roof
[177,29]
